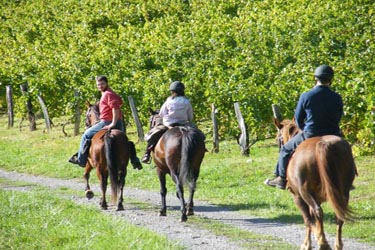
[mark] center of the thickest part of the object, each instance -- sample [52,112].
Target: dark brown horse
[179,152]
[109,154]
[321,169]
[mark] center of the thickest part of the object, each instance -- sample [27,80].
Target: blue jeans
[286,152]
[89,134]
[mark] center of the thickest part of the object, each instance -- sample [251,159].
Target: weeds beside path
[188,234]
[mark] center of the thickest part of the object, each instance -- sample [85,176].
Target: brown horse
[321,169]
[179,152]
[109,153]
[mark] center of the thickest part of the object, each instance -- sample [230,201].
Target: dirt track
[187,234]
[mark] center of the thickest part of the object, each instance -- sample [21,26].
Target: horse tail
[328,162]
[111,164]
[189,141]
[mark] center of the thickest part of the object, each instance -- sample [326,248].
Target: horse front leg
[86,175]
[163,194]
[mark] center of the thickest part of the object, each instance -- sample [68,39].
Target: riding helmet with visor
[177,87]
[324,72]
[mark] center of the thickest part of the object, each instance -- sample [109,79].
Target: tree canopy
[253,52]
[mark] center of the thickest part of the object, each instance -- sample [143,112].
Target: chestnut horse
[321,169]
[109,153]
[179,153]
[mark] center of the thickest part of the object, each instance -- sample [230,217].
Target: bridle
[155,119]
[92,109]
[291,133]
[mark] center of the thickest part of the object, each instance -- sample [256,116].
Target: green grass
[39,220]
[226,179]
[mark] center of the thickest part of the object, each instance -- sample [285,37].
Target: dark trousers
[286,152]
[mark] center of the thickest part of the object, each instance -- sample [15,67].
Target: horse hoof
[190,212]
[184,218]
[120,208]
[89,194]
[162,213]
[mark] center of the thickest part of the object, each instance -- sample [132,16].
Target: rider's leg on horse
[134,160]
[286,152]
[152,139]
[80,158]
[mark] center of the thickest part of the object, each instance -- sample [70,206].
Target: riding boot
[136,163]
[86,147]
[74,160]
[279,182]
[147,157]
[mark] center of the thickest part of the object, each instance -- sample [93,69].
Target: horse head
[155,118]
[92,115]
[286,130]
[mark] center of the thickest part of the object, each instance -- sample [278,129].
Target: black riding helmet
[324,73]
[177,87]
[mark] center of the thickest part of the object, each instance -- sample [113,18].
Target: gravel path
[189,235]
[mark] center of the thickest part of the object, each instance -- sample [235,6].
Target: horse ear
[88,104]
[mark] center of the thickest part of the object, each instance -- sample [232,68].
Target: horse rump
[192,152]
[337,171]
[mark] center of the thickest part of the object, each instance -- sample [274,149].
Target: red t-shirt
[109,100]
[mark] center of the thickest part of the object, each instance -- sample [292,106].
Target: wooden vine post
[45,112]
[9,96]
[243,139]
[215,130]
[77,115]
[277,113]
[136,118]
[29,106]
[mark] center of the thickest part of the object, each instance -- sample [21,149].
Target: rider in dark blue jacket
[318,113]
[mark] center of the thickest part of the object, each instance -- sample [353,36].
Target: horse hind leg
[180,196]
[316,214]
[306,245]
[103,185]
[190,204]
[120,206]
[180,191]
[338,240]
[163,194]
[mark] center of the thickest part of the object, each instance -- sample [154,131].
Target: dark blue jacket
[319,112]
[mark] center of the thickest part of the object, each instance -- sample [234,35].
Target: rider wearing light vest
[176,111]
[318,113]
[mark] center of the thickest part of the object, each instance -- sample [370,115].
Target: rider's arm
[115,117]
[190,113]
[300,113]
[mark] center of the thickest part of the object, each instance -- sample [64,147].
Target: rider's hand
[108,127]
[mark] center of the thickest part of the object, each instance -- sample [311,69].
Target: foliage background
[254,52]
